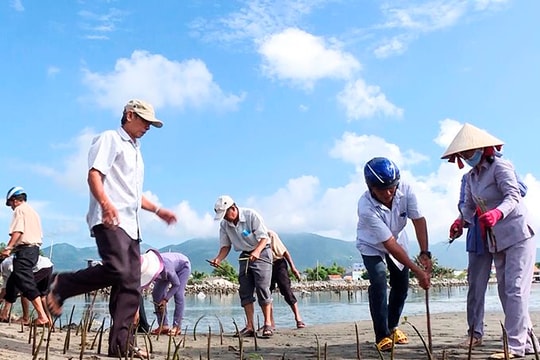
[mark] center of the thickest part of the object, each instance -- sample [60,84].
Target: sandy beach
[334,341]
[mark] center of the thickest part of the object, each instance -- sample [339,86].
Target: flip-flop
[502,355]
[175,331]
[158,331]
[140,353]
[300,324]
[245,332]
[267,332]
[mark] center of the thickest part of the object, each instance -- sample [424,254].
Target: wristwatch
[426,252]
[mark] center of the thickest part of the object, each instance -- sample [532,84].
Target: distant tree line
[317,273]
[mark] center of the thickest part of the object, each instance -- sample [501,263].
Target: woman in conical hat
[492,192]
[469,139]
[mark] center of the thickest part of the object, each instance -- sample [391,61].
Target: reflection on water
[316,308]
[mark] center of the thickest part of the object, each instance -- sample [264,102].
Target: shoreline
[330,341]
[222,286]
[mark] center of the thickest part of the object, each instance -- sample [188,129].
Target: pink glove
[456,229]
[490,218]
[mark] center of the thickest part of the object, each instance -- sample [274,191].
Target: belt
[248,252]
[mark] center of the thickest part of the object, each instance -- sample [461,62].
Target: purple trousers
[478,273]
[180,268]
[514,280]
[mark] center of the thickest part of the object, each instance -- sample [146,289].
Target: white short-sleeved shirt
[119,159]
[244,236]
[6,268]
[377,223]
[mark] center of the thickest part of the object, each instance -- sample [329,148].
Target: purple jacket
[495,186]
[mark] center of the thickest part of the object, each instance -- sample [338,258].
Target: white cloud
[482,5]
[17,5]
[396,45]
[255,20]
[448,130]
[425,17]
[72,172]
[302,58]
[364,101]
[98,26]
[52,71]
[161,81]
[409,22]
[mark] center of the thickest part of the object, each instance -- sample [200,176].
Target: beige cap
[222,204]
[144,110]
[151,267]
[468,138]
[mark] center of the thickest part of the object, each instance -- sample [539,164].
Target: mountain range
[307,250]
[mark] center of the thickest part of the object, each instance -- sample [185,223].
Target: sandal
[245,332]
[502,355]
[300,324]
[160,331]
[471,342]
[400,337]
[385,344]
[267,331]
[175,330]
[139,353]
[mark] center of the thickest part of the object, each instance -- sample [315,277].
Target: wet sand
[333,341]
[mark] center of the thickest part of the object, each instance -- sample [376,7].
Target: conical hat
[468,138]
[151,267]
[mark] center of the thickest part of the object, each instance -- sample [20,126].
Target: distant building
[334,277]
[536,274]
[357,271]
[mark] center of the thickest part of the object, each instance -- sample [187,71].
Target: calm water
[316,308]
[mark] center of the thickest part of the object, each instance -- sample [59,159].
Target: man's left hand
[167,215]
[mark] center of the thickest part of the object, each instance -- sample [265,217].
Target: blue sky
[276,103]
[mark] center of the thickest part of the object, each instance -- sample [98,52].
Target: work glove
[490,218]
[456,229]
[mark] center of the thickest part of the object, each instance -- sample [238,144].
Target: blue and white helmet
[381,173]
[14,191]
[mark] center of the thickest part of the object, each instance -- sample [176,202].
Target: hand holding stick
[214,264]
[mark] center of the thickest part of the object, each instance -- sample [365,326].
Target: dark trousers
[43,280]
[121,270]
[143,327]
[385,310]
[280,277]
[22,277]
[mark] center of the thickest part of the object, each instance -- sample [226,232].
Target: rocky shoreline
[222,286]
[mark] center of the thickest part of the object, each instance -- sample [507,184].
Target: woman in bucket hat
[492,192]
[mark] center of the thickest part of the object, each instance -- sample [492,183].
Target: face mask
[475,158]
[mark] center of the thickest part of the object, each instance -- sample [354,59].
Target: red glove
[490,218]
[456,229]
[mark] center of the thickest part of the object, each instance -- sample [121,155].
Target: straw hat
[469,138]
[151,267]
